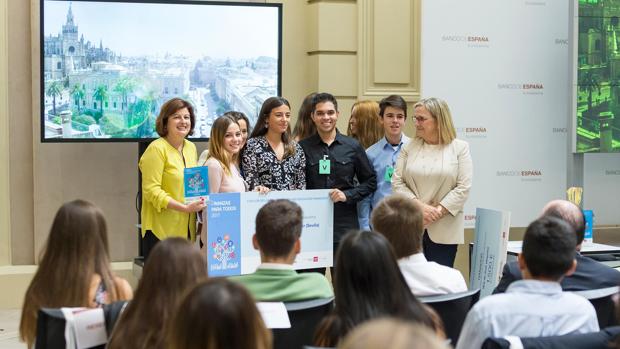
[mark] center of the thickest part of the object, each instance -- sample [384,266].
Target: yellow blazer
[162,179]
[451,191]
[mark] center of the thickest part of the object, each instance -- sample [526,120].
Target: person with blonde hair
[164,212]
[391,333]
[436,169]
[364,123]
[218,313]
[74,268]
[174,266]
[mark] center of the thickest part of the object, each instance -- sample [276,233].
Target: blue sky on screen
[137,29]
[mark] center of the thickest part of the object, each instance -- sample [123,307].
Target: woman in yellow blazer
[164,213]
[436,169]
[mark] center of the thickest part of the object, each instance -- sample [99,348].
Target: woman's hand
[430,214]
[195,206]
[261,189]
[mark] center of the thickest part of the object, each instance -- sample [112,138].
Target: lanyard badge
[324,165]
[389,171]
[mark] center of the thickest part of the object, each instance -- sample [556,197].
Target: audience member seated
[401,221]
[74,269]
[278,230]
[535,306]
[173,267]
[368,285]
[389,333]
[215,314]
[589,275]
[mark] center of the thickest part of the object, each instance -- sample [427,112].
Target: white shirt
[529,308]
[429,278]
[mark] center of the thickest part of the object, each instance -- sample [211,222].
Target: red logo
[315,259]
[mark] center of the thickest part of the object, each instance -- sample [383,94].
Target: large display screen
[598,76]
[107,66]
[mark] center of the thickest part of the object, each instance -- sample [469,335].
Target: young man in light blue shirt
[535,306]
[383,154]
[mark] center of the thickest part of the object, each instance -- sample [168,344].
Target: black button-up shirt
[350,172]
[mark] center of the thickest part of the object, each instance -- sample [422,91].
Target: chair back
[603,339]
[452,309]
[602,300]
[51,324]
[305,317]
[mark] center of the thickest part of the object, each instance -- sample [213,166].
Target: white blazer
[451,191]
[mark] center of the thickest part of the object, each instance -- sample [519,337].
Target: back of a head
[548,248]
[400,220]
[390,333]
[76,249]
[570,213]
[218,313]
[278,227]
[368,282]
[173,267]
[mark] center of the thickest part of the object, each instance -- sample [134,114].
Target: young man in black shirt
[337,162]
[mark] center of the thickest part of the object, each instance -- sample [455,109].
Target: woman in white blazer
[435,168]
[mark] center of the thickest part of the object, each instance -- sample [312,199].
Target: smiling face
[278,119]
[243,126]
[232,139]
[325,117]
[179,124]
[426,125]
[352,123]
[393,121]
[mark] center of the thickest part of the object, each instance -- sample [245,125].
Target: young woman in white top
[224,176]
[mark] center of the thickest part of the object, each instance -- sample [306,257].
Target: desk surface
[514,248]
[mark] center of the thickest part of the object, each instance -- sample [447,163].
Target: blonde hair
[392,333]
[368,129]
[75,251]
[438,108]
[216,143]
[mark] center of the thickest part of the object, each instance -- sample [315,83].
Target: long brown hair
[368,129]
[270,104]
[218,313]
[305,127]
[76,250]
[216,143]
[173,267]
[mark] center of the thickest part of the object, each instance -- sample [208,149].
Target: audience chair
[452,309]
[304,317]
[602,300]
[51,325]
[594,340]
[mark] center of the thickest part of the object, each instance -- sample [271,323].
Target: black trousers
[148,243]
[443,254]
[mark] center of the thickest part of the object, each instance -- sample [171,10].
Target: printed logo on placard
[527,88]
[532,175]
[470,40]
[612,172]
[223,251]
[472,132]
[315,259]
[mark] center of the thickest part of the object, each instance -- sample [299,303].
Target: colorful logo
[223,250]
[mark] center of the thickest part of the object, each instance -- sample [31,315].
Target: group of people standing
[375,160]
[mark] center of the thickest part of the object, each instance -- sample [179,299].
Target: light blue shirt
[381,156]
[529,308]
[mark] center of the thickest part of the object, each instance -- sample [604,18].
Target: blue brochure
[196,183]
